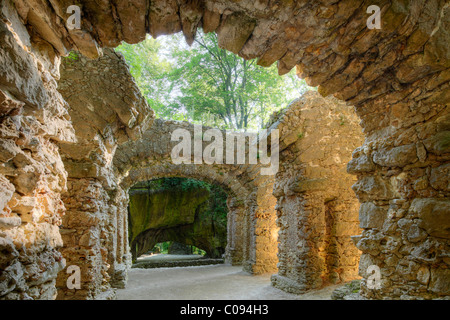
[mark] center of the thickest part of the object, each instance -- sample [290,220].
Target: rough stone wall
[317,211]
[106,109]
[403,186]
[235,233]
[397,77]
[260,219]
[33,118]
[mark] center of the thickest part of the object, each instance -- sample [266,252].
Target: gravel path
[214,282]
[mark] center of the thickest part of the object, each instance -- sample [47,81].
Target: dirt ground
[212,282]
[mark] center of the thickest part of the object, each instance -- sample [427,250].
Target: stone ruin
[75,136]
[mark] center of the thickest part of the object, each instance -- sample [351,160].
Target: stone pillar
[260,230]
[235,232]
[85,245]
[265,230]
[303,242]
[248,250]
[291,249]
[342,256]
[121,261]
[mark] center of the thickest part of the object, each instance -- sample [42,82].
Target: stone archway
[239,248]
[250,194]
[396,77]
[253,231]
[189,213]
[110,157]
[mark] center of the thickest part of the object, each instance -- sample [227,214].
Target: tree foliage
[206,84]
[149,69]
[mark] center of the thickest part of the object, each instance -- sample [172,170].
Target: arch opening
[180,210]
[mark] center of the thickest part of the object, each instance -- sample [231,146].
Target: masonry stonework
[64,183]
[317,211]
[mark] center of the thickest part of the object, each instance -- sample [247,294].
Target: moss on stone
[152,210]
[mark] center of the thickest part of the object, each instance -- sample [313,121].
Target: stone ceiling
[327,40]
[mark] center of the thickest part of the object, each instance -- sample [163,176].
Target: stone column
[342,256]
[248,243]
[120,257]
[85,245]
[265,230]
[302,242]
[235,232]
[260,231]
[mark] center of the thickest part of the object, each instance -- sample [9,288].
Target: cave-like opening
[176,216]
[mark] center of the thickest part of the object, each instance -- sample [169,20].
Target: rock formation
[67,160]
[181,216]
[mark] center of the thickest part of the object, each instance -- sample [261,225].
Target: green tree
[149,68]
[221,89]
[206,84]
